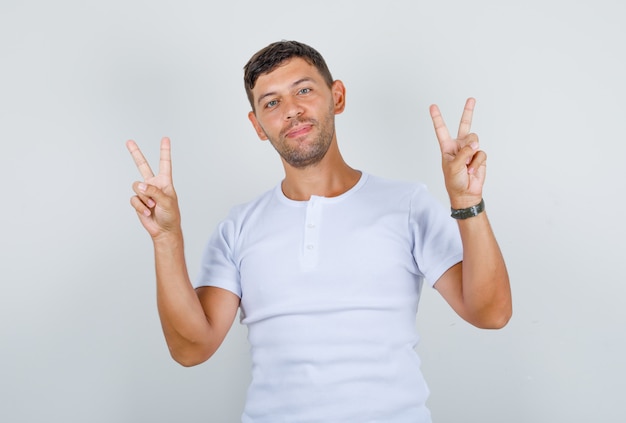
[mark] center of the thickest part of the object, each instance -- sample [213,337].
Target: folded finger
[149,194]
[478,160]
[139,206]
[470,141]
[466,154]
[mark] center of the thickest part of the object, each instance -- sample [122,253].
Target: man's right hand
[155,201]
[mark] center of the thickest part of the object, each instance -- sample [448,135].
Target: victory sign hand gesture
[464,165]
[155,201]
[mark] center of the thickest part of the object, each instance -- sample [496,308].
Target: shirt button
[310,225]
[309,247]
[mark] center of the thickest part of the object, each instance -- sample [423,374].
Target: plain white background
[80,336]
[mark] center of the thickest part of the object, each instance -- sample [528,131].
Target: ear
[257,126]
[339,96]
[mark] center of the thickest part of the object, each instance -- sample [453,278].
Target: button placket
[311,234]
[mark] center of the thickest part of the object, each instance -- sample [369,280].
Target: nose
[292,109]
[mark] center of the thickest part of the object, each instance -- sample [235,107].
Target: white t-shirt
[329,291]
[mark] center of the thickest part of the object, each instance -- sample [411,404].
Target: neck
[329,178]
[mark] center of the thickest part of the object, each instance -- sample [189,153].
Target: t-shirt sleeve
[437,241]
[218,267]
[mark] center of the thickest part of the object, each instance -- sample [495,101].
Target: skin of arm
[194,322]
[478,288]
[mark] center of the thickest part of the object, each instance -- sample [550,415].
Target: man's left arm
[478,288]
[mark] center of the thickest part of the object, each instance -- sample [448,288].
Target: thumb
[152,195]
[469,149]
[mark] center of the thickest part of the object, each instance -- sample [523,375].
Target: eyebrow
[296,83]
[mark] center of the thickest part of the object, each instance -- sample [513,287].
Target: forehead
[285,75]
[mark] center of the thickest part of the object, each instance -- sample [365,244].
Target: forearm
[485,283]
[185,326]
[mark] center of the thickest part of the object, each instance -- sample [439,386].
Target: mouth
[298,131]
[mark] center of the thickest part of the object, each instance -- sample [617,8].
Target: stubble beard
[302,154]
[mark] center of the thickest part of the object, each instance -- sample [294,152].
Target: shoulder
[413,197]
[246,209]
[394,187]
[242,214]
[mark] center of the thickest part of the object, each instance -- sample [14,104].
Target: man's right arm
[194,322]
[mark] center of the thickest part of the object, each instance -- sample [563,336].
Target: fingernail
[151,203]
[474,145]
[146,212]
[142,187]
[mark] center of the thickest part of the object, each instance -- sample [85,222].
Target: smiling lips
[298,131]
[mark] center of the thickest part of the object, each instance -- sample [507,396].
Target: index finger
[466,118]
[165,162]
[441,130]
[140,160]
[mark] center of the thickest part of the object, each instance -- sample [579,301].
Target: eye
[271,104]
[304,91]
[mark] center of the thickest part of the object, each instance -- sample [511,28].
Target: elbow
[493,315]
[496,313]
[190,358]
[187,362]
[495,320]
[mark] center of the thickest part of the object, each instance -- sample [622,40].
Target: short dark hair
[269,58]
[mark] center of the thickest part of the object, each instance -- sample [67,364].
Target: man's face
[295,110]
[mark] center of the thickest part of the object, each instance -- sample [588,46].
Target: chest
[323,257]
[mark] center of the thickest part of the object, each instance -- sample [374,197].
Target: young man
[327,267]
